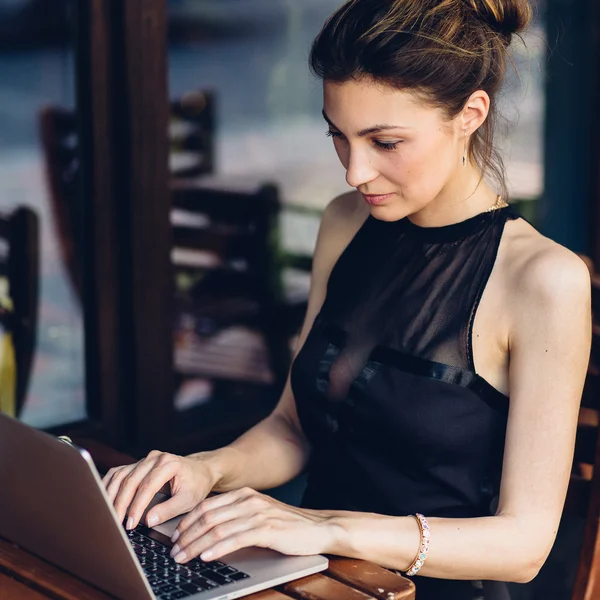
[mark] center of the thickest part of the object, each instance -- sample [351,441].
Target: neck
[465,196]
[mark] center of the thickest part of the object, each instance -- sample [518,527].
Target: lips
[376,199]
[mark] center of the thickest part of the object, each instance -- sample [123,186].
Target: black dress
[386,387]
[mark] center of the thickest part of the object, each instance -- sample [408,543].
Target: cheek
[422,168]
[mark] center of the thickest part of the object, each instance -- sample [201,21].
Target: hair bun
[507,17]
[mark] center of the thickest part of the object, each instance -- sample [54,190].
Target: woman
[432,304]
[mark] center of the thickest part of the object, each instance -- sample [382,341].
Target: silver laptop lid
[53,504]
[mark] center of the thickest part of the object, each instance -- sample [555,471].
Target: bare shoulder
[341,220]
[542,271]
[345,214]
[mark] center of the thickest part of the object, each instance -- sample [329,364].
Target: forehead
[360,103]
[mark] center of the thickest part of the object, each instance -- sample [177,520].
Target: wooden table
[26,577]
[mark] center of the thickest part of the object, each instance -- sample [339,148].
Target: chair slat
[371,579]
[227,245]
[321,587]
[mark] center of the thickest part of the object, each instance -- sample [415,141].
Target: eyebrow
[369,130]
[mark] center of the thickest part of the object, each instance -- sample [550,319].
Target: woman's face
[398,151]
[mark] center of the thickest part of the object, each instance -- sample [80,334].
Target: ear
[475,112]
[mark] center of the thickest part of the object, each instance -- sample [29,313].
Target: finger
[213,503]
[114,484]
[246,539]
[111,474]
[108,476]
[232,534]
[207,521]
[162,472]
[128,484]
[173,507]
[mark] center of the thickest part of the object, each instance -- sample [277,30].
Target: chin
[390,212]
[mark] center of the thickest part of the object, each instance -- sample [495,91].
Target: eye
[386,146]
[333,134]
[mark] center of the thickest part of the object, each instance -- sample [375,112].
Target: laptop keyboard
[170,580]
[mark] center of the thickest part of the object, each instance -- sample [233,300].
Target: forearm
[268,455]
[488,548]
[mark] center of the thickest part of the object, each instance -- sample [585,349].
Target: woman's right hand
[131,488]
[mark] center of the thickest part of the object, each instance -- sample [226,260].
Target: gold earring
[464,159]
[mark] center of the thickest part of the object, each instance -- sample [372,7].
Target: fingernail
[175,536]
[175,550]
[180,557]
[130,523]
[206,555]
[152,521]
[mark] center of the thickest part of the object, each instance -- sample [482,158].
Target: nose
[359,169]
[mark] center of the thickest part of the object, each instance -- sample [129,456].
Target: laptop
[54,505]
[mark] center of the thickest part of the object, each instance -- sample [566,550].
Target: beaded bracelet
[419,561]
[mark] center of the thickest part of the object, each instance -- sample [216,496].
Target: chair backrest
[583,498]
[19,264]
[192,153]
[192,134]
[225,242]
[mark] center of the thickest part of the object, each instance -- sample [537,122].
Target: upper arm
[549,353]
[341,220]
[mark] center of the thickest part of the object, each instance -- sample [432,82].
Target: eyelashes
[381,145]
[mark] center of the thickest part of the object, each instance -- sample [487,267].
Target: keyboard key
[176,568]
[177,580]
[216,577]
[165,588]
[152,569]
[198,568]
[226,571]
[179,594]
[204,583]
[238,576]
[191,588]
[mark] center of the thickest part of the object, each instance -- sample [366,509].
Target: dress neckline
[454,231]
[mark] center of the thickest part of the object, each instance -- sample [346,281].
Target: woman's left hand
[223,524]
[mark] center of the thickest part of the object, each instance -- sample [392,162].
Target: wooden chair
[192,153]
[583,498]
[226,257]
[192,134]
[226,267]
[19,269]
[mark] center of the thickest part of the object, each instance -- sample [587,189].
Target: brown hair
[444,50]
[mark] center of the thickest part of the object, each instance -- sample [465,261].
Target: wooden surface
[26,577]
[11,588]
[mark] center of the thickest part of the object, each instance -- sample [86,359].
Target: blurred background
[252,55]
[163,168]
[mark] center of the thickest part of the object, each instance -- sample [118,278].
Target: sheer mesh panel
[412,289]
